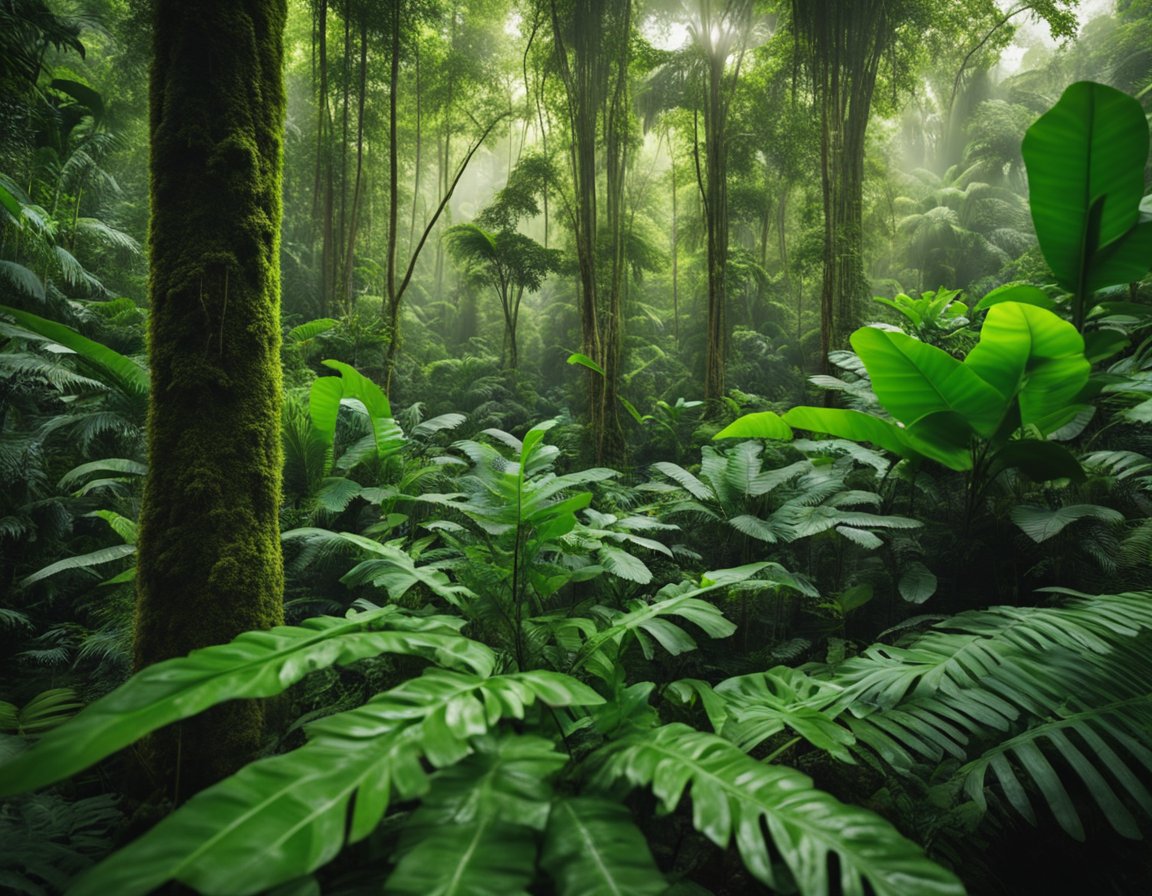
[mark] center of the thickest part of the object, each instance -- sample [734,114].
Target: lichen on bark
[210,564]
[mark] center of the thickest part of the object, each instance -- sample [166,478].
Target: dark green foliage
[526,685]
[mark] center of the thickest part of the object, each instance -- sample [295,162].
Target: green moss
[210,565]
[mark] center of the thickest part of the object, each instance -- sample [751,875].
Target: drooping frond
[737,798]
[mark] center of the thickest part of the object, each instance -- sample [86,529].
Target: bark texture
[210,564]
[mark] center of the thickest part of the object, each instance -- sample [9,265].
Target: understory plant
[510,779]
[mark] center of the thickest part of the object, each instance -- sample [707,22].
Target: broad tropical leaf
[475,833]
[256,664]
[762,425]
[1041,523]
[1085,160]
[281,818]
[1030,353]
[593,848]
[129,375]
[913,379]
[82,561]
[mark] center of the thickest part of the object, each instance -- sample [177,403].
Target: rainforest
[575,447]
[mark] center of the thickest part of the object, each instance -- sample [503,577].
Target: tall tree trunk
[843,45]
[209,564]
[723,36]
[589,37]
[391,298]
[418,162]
[357,186]
[339,288]
[715,199]
[324,187]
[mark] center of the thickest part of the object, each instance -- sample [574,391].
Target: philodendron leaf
[848,424]
[917,583]
[1016,292]
[324,407]
[255,664]
[1042,523]
[764,704]
[1030,353]
[584,361]
[1038,460]
[475,831]
[913,379]
[1085,159]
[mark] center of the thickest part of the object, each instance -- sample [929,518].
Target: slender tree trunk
[323,188]
[419,148]
[592,42]
[354,221]
[724,36]
[392,299]
[339,287]
[513,325]
[843,44]
[716,229]
[675,257]
[210,565]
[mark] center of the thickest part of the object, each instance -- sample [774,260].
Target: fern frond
[1111,740]
[735,797]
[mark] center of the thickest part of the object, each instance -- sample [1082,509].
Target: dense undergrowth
[896,646]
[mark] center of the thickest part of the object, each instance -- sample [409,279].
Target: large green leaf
[652,620]
[913,379]
[737,797]
[1030,353]
[764,704]
[1039,460]
[593,848]
[310,329]
[324,407]
[1085,159]
[129,376]
[848,424]
[1089,745]
[82,561]
[762,425]
[475,832]
[1016,292]
[256,664]
[120,465]
[281,818]
[1034,695]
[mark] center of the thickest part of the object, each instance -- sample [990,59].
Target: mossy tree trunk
[210,565]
